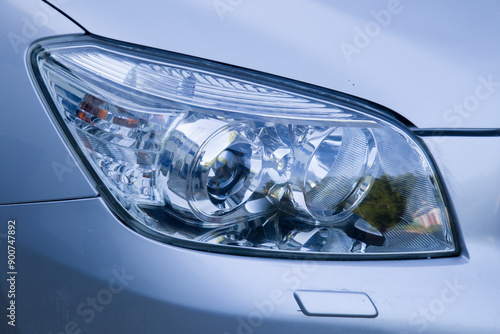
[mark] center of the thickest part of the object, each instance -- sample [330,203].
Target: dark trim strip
[67,16]
[48,201]
[447,132]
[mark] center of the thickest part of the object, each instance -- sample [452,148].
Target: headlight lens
[212,157]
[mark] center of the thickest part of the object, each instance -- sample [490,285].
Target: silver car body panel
[73,253]
[36,165]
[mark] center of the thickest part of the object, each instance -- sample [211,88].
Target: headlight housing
[213,157]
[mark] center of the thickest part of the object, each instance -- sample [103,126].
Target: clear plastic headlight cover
[212,157]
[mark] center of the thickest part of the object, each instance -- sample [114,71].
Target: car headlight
[212,157]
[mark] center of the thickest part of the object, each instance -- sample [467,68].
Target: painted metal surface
[35,163]
[82,270]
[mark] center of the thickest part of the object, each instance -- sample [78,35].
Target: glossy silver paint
[35,163]
[73,253]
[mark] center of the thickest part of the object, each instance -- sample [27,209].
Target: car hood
[437,64]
